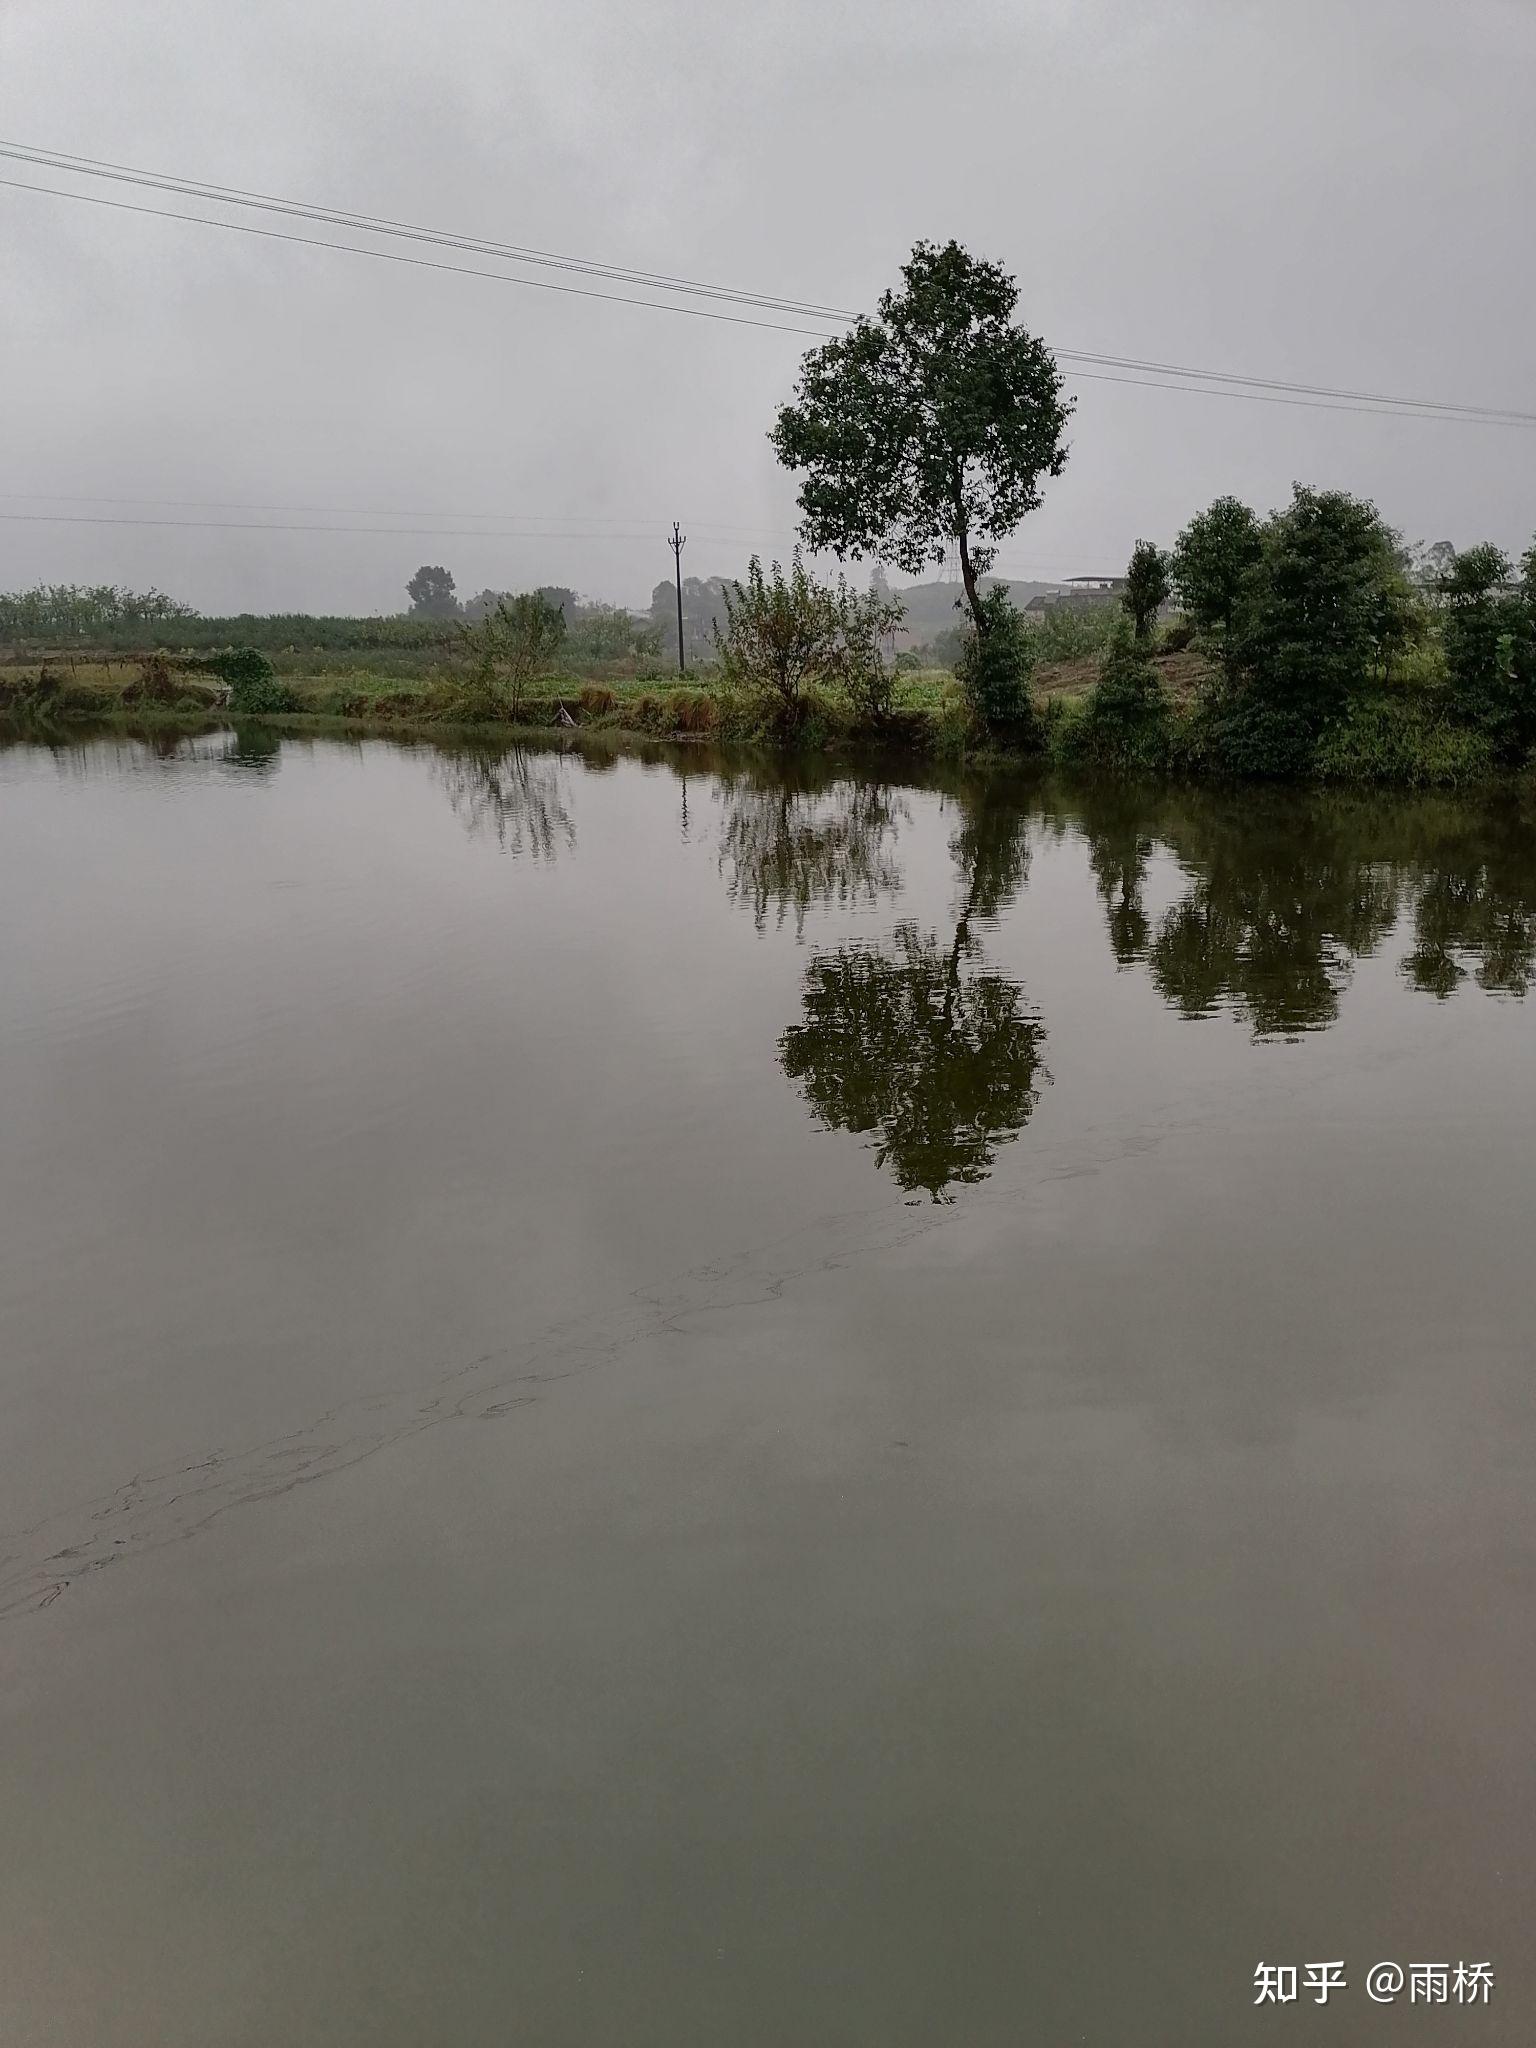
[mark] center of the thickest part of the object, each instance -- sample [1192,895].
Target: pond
[661,1399]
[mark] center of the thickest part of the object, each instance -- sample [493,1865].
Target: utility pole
[677,543]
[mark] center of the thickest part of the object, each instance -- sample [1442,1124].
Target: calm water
[642,1403]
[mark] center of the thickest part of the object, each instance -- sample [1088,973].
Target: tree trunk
[968,576]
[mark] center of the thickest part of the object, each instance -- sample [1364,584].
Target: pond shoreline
[913,740]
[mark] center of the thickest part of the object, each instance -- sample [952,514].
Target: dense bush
[1307,610]
[995,671]
[515,642]
[1070,631]
[1488,631]
[784,633]
[1405,738]
[1126,724]
[252,683]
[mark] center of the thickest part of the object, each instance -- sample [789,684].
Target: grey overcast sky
[1333,191]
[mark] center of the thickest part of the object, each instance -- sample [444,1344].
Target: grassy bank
[928,710]
[1398,736]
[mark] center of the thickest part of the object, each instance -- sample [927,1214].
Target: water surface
[662,1400]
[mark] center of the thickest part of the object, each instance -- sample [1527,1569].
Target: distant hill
[931,607]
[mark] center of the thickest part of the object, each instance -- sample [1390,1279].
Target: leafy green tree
[1524,635]
[1331,601]
[928,429]
[1147,585]
[1427,563]
[608,633]
[1314,620]
[510,647]
[74,611]
[431,593]
[1211,563]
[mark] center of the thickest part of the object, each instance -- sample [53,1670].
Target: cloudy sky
[1336,192]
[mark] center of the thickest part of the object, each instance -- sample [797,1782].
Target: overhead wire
[1090,365]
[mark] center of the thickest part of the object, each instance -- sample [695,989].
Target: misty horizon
[1215,186]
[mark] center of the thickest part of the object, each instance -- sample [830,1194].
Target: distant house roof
[1087,593]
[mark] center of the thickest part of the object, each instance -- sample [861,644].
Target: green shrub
[1405,738]
[1126,722]
[1241,733]
[1484,635]
[995,670]
[1069,632]
[251,679]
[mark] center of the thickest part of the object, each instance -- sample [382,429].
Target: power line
[1027,571]
[715,528]
[241,227]
[288,526]
[236,195]
[1150,371]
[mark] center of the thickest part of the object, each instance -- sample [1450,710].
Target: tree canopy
[431,592]
[930,428]
[1211,560]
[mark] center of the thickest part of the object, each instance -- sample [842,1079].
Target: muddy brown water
[667,1401]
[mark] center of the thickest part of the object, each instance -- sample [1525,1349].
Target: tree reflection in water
[518,794]
[790,842]
[1114,821]
[1285,891]
[1477,905]
[918,1041]
[1280,900]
